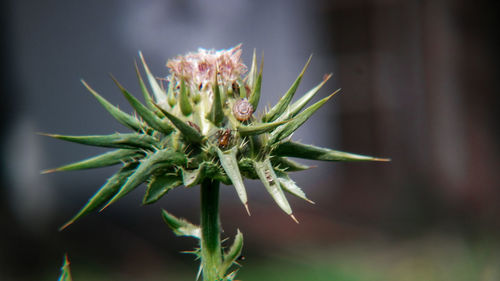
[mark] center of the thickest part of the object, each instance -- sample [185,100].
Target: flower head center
[202,67]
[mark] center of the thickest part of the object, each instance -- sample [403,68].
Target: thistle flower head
[183,135]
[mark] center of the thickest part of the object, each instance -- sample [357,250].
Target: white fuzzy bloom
[199,69]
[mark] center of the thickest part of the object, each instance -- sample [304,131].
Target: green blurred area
[434,258]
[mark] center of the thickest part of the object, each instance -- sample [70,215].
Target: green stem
[211,254]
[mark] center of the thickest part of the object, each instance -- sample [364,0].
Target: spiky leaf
[181,227]
[103,160]
[291,187]
[252,74]
[158,92]
[144,89]
[117,140]
[256,87]
[160,159]
[191,177]
[230,164]
[122,117]
[258,129]
[233,253]
[297,106]
[216,114]
[267,176]
[108,190]
[189,133]
[149,116]
[300,150]
[294,124]
[159,186]
[283,103]
[288,165]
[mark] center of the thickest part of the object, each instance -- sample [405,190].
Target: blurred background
[419,85]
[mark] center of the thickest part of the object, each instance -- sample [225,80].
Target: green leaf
[144,89]
[108,190]
[230,164]
[160,159]
[258,129]
[122,117]
[65,270]
[297,106]
[247,169]
[216,114]
[189,133]
[288,165]
[256,87]
[115,140]
[267,176]
[299,150]
[283,103]
[215,172]
[172,100]
[103,160]
[158,92]
[191,177]
[291,187]
[159,186]
[181,227]
[149,116]
[233,253]
[243,90]
[252,74]
[295,123]
[185,104]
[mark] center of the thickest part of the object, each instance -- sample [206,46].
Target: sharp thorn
[199,272]
[65,225]
[326,77]
[48,171]
[46,134]
[382,159]
[293,217]
[188,252]
[310,201]
[248,210]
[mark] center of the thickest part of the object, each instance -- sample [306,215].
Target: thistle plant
[199,126]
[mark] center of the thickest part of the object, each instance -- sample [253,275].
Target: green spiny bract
[200,123]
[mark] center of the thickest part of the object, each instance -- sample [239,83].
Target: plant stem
[210,230]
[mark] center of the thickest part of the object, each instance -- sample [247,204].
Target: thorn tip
[48,171]
[248,210]
[65,226]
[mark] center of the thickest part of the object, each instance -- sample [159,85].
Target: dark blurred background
[419,85]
